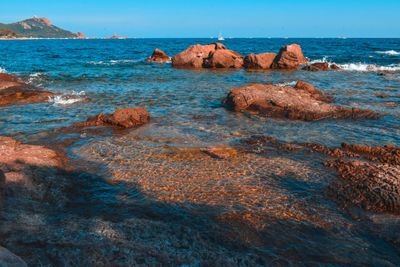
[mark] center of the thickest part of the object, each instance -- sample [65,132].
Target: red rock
[259,61]
[289,57]
[321,66]
[80,35]
[14,91]
[221,152]
[289,102]
[159,56]
[121,118]
[302,85]
[224,58]
[194,56]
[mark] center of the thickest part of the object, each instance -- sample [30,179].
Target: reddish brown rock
[194,56]
[290,102]
[80,35]
[159,56]
[224,58]
[8,81]
[121,118]
[15,91]
[371,186]
[302,85]
[259,61]
[289,57]
[321,66]
[221,152]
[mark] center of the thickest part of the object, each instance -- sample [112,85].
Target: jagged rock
[224,58]
[121,118]
[15,91]
[159,56]
[259,61]
[289,57]
[194,56]
[301,102]
[321,66]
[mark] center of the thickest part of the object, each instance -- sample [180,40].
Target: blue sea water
[289,220]
[112,73]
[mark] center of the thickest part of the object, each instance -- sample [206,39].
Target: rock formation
[15,91]
[159,56]
[122,118]
[194,56]
[302,102]
[321,66]
[259,61]
[289,57]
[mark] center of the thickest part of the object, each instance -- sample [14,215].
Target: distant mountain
[36,28]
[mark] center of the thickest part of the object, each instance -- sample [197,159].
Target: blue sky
[234,18]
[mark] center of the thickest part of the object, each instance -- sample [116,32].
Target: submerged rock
[8,259]
[289,57]
[321,66]
[121,118]
[372,183]
[221,152]
[302,102]
[159,56]
[15,91]
[259,61]
[224,58]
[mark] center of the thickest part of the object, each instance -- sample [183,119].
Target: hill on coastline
[35,28]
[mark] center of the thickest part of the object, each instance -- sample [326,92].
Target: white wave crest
[36,78]
[68,99]
[113,62]
[2,70]
[389,52]
[368,67]
[292,83]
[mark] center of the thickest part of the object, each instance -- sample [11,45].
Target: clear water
[276,199]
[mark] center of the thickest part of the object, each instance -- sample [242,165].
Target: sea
[177,204]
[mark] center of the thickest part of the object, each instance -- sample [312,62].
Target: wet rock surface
[15,91]
[259,61]
[159,56]
[321,66]
[301,102]
[122,118]
[289,57]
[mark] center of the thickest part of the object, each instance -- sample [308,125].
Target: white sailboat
[220,37]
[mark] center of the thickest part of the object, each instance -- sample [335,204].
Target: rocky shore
[165,200]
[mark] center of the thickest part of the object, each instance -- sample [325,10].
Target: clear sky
[205,18]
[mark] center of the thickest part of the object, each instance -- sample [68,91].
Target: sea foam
[389,52]
[68,99]
[2,70]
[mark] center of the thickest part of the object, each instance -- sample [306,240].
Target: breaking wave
[68,99]
[283,84]
[389,52]
[361,67]
[368,67]
[2,70]
[113,62]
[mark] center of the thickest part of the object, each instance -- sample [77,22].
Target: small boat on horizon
[220,37]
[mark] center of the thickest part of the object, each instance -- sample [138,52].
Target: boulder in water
[289,57]
[224,58]
[194,56]
[159,56]
[259,61]
[302,102]
[321,66]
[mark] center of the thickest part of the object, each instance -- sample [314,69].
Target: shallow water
[274,201]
